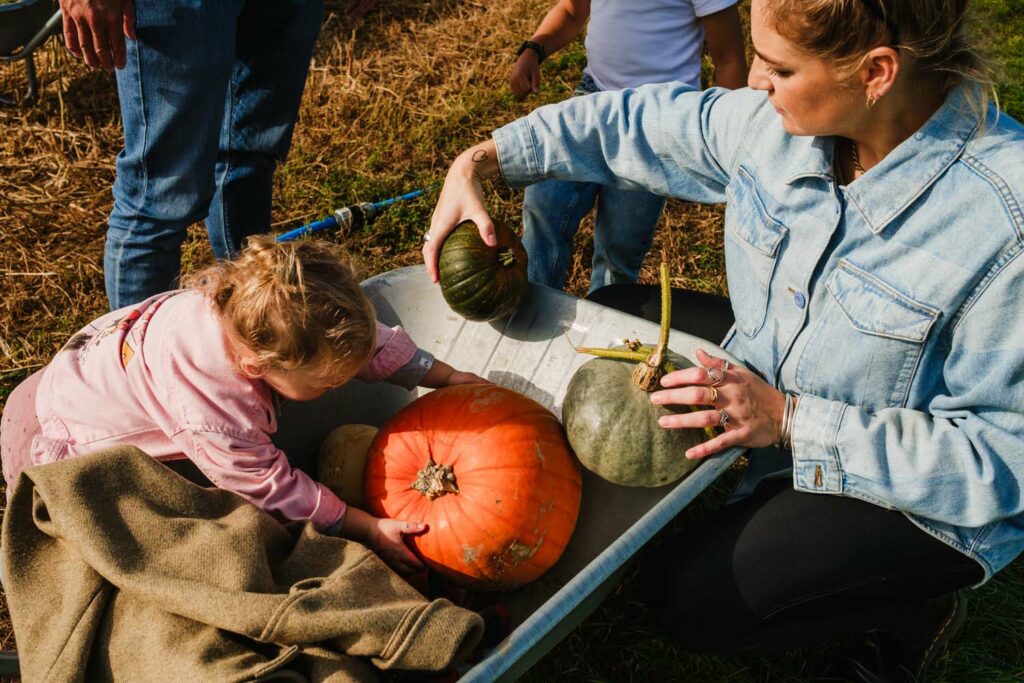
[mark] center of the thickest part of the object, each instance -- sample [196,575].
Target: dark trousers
[782,568]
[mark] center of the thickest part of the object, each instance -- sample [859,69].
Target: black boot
[901,655]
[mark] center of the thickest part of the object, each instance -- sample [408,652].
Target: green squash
[610,420]
[481,282]
[613,426]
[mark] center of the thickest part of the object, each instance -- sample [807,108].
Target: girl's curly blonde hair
[295,305]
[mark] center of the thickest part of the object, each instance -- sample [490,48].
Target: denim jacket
[894,305]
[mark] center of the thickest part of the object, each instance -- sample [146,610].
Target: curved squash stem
[650,371]
[653,363]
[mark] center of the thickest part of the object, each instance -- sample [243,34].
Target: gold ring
[714,397]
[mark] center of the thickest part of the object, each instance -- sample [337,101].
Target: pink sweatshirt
[158,376]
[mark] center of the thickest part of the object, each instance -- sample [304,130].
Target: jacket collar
[888,188]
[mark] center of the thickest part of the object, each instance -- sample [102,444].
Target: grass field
[389,102]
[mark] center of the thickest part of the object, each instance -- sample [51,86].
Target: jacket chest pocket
[866,345]
[752,241]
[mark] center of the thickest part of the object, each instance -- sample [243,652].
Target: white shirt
[635,42]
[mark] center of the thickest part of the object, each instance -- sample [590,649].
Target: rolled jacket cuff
[412,373]
[330,511]
[395,349]
[816,464]
[517,153]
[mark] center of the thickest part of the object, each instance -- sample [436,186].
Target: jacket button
[799,299]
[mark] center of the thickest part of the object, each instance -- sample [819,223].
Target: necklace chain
[855,157]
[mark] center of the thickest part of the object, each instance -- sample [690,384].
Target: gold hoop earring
[870,102]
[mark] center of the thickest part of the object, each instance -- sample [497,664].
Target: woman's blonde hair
[934,33]
[294,305]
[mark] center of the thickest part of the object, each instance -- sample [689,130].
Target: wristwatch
[542,54]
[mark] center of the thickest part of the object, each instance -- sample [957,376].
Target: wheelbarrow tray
[531,352]
[20,22]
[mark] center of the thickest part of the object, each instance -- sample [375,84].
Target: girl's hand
[387,538]
[462,199]
[443,375]
[744,405]
[460,377]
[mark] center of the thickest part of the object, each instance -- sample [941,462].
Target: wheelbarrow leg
[33,83]
[30,72]
[26,53]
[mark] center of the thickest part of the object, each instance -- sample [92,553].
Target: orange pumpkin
[490,471]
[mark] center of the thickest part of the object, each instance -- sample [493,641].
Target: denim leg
[274,45]
[623,232]
[552,211]
[172,101]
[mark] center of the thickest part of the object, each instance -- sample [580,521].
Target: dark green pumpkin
[613,426]
[481,282]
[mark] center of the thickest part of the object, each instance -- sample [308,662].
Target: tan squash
[342,457]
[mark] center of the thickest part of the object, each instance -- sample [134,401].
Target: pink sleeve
[395,348]
[260,473]
[221,420]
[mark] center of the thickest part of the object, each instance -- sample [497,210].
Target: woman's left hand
[747,408]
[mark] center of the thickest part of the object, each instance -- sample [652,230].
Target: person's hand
[460,377]
[95,30]
[357,8]
[462,199]
[525,77]
[387,537]
[443,375]
[752,408]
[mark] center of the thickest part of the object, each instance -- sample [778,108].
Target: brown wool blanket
[115,568]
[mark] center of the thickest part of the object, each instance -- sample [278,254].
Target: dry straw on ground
[389,102]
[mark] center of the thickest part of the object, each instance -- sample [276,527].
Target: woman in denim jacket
[873,238]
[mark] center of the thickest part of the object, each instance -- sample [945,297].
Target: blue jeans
[623,229]
[209,99]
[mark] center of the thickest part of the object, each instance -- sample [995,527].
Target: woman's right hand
[462,199]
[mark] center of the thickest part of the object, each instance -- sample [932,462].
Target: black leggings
[782,568]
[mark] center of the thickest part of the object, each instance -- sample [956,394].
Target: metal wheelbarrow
[24,26]
[531,353]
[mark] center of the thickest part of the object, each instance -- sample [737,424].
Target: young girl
[192,374]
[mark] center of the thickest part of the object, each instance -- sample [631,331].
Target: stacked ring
[723,418]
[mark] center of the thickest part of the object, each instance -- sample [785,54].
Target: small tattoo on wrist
[479,156]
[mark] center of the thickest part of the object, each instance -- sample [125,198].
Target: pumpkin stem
[645,354]
[507,257]
[434,480]
[652,368]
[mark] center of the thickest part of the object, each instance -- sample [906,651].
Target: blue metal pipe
[354,216]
